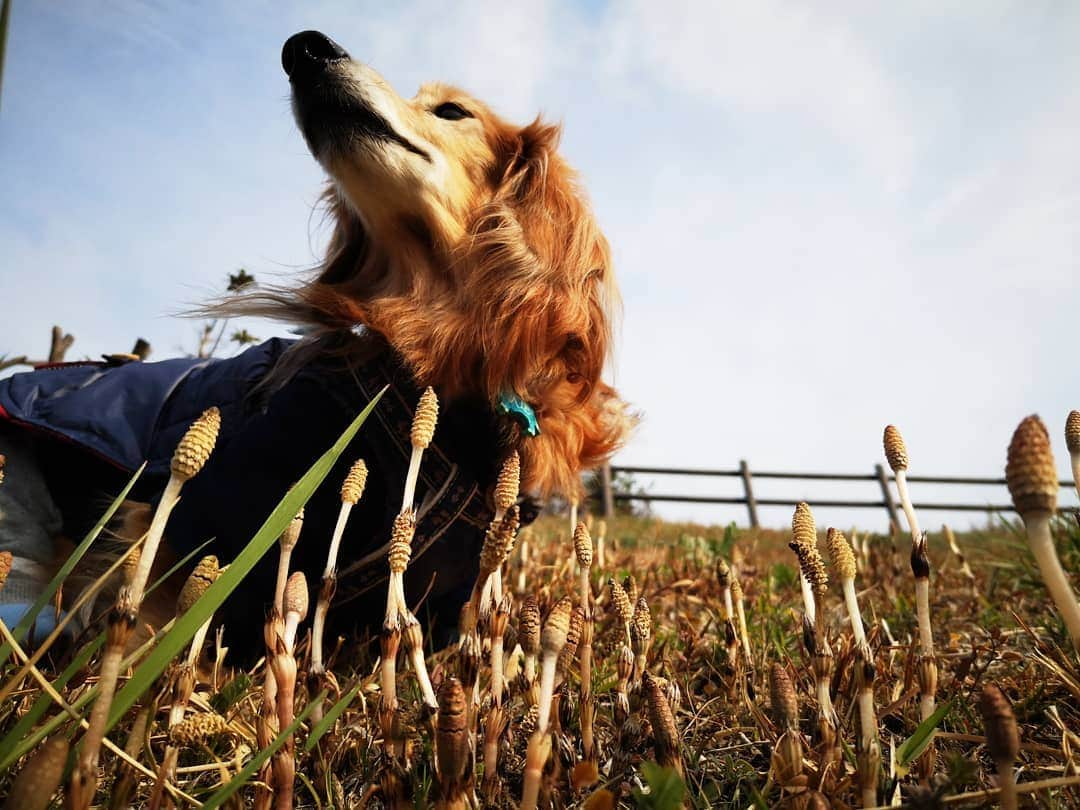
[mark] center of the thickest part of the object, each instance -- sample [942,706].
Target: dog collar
[520,411]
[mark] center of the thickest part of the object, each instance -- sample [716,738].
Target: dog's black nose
[308,52]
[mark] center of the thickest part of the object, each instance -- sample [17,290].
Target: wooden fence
[879,476]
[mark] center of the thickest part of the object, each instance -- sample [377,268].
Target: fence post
[890,504]
[751,502]
[606,491]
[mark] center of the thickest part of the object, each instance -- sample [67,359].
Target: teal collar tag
[520,411]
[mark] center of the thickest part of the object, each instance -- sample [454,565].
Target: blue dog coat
[109,419]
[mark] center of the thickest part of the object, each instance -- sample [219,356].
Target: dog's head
[468,244]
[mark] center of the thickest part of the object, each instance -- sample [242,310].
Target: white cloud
[775,60]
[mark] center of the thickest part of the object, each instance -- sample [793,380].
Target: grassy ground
[998,626]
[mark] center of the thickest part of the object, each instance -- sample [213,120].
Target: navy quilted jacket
[98,423]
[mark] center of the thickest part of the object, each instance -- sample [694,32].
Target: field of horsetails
[599,664]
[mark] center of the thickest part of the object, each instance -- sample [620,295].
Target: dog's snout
[308,52]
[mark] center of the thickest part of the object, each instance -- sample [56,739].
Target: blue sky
[825,217]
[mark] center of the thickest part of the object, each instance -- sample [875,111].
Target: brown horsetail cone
[204,575]
[803,527]
[529,625]
[621,602]
[6,559]
[557,627]
[36,783]
[583,545]
[291,536]
[499,540]
[452,731]
[197,729]
[427,414]
[723,573]
[736,589]
[843,558]
[785,703]
[573,638]
[508,484]
[665,732]
[641,626]
[401,542]
[195,448]
[804,544]
[1030,471]
[352,488]
[1002,734]
[296,595]
[1072,432]
[895,449]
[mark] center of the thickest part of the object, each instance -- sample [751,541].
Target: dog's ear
[575,436]
[522,158]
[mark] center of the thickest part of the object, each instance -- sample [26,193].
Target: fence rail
[882,478]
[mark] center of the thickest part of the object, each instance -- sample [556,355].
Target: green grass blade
[333,714]
[257,761]
[177,639]
[667,790]
[25,623]
[917,742]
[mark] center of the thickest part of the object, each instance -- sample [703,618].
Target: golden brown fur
[474,254]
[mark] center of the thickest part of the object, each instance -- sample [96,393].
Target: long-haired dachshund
[464,256]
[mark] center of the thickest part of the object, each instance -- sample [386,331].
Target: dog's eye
[451,111]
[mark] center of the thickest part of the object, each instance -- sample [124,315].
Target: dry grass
[999,629]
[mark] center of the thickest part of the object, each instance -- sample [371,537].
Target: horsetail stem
[289,538]
[897,456]
[36,783]
[421,434]
[1032,478]
[811,565]
[868,747]
[1002,740]
[804,535]
[189,458]
[552,640]
[352,489]
[588,707]
[641,637]
[283,664]
[744,632]
[452,745]
[843,562]
[200,579]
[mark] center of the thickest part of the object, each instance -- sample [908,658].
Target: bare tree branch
[6,362]
[141,349]
[60,344]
